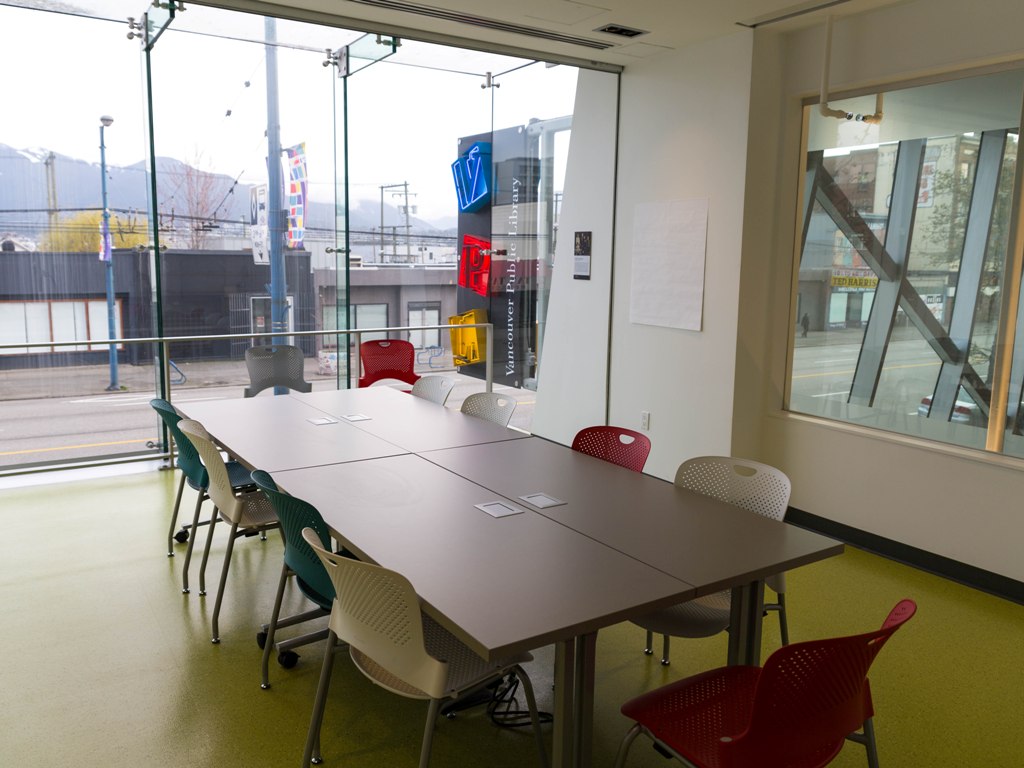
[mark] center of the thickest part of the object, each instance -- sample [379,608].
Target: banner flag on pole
[297,190]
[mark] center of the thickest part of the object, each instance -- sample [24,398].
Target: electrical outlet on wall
[645,420]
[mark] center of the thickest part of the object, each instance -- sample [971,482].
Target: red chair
[794,712]
[618,445]
[387,359]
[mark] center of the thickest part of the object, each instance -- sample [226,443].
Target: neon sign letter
[472,172]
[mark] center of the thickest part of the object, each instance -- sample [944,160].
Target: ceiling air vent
[479,21]
[621,31]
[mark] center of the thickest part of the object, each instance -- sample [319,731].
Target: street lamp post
[107,256]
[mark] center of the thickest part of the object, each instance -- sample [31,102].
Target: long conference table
[513,542]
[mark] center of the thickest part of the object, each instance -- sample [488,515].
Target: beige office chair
[748,484]
[491,406]
[433,388]
[278,366]
[248,510]
[400,648]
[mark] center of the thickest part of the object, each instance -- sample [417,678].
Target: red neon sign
[475,264]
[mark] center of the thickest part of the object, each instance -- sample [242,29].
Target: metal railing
[169,375]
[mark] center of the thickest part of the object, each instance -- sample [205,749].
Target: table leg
[562,737]
[745,623]
[583,697]
[573,737]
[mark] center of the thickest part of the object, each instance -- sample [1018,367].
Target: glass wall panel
[219,138]
[904,244]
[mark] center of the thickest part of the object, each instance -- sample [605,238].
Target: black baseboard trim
[968,575]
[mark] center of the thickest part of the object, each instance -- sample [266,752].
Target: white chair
[753,486]
[248,511]
[400,648]
[491,406]
[433,388]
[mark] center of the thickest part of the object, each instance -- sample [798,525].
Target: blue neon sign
[472,172]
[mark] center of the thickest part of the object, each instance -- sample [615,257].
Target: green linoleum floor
[106,663]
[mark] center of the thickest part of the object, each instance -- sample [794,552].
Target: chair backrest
[492,406]
[433,388]
[188,457]
[220,488]
[377,611]
[615,444]
[278,366]
[294,515]
[749,484]
[387,359]
[812,695]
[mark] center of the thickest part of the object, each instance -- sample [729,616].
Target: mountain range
[24,194]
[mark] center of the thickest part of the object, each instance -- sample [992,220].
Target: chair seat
[465,668]
[237,474]
[692,716]
[257,511]
[701,617]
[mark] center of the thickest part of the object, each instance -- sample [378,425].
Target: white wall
[956,503]
[571,391]
[683,134]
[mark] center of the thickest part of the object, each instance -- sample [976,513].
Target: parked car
[964,412]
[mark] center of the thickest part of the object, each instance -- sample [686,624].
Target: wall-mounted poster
[669,248]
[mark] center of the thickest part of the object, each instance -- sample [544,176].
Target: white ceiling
[667,24]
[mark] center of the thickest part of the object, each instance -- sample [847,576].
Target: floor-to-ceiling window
[211,121]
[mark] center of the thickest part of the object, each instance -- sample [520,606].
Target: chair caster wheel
[261,640]
[202,593]
[181,536]
[665,662]
[184,590]
[288,659]
[264,686]
[648,652]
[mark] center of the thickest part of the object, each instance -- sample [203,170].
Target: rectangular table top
[707,543]
[502,585]
[412,423]
[275,432]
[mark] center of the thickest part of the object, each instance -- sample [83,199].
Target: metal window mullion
[899,230]
[972,263]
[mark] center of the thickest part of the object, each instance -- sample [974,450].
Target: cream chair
[248,511]
[753,486]
[492,406]
[433,388]
[399,647]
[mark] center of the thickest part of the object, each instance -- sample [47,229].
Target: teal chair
[194,473]
[301,562]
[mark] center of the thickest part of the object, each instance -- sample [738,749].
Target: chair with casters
[248,511]
[433,388]
[753,486]
[796,710]
[618,445]
[194,473]
[279,366]
[301,562]
[400,648]
[492,406]
[387,359]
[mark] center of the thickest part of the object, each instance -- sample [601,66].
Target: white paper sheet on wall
[669,248]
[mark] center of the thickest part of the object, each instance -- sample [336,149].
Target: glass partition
[208,138]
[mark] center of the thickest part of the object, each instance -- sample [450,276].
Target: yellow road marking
[73,447]
[851,371]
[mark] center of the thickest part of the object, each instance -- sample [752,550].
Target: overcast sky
[61,73]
